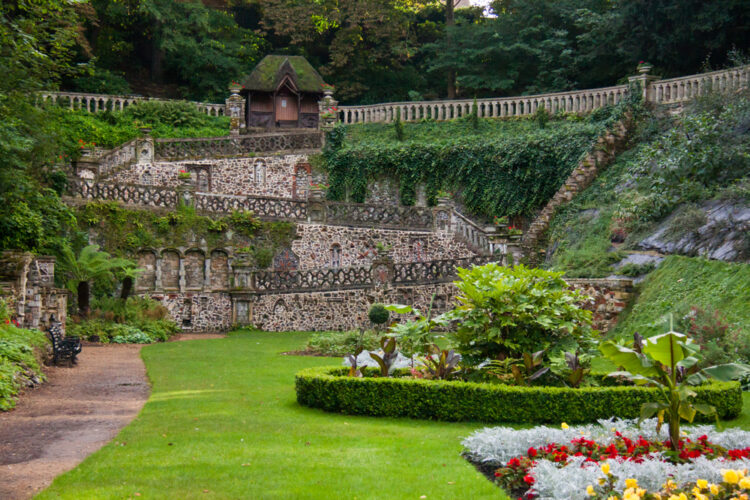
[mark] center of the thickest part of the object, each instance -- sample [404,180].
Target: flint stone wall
[272,176]
[198,312]
[608,299]
[315,243]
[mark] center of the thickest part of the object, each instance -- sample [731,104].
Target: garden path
[78,410]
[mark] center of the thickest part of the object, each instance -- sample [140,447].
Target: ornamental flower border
[546,463]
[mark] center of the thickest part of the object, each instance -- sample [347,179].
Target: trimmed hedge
[329,389]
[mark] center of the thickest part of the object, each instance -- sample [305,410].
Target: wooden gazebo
[282,92]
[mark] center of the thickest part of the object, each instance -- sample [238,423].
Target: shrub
[342,343]
[21,354]
[131,321]
[378,314]
[329,389]
[505,312]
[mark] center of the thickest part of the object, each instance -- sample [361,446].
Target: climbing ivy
[499,168]
[124,231]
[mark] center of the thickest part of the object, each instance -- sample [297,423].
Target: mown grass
[223,422]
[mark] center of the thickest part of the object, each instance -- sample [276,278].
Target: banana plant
[669,362]
[389,355]
[571,366]
[442,364]
[415,336]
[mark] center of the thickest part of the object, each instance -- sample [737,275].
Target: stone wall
[609,297]
[273,175]
[319,245]
[199,311]
[28,289]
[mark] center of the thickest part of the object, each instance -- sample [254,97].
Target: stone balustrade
[676,90]
[580,101]
[472,233]
[94,103]
[243,145]
[382,216]
[265,207]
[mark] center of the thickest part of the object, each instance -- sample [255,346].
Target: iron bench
[63,348]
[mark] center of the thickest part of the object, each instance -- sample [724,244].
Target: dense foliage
[341,343]
[504,312]
[501,168]
[139,320]
[330,389]
[21,354]
[677,162]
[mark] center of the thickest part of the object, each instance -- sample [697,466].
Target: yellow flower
[602,481]
[590,491]
[631,483]
[674,497]
[713,488]
[702,484]
[612,498]
[564,425]
[656,496]
[730,476]
[631,496]
[745,483]
[683,496]
[700,496]
[669,484]
[605,469]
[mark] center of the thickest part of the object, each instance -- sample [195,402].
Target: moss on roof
[267,74]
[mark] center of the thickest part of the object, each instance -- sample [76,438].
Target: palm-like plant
[128,276]
[90,264]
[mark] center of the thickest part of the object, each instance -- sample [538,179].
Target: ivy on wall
[123,231]
[510,169]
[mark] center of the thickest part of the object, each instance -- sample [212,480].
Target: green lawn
[223,422]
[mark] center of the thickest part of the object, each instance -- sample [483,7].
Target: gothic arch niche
[194,269]
[280,307]
[170,270]
[147,279]
[285,260]
[219,270]
[259,172]
[301,180]
[335,261]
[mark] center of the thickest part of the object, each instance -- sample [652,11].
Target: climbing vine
[507,169]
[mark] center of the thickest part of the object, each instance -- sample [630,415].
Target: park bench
[63,348]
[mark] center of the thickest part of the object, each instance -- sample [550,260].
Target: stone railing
[435,271]
[263,207]
[122,155]
[471,233]
[213,147]
[316,279]
[682,89]
[579,101]
[130,194]
[94,103]
[385,216]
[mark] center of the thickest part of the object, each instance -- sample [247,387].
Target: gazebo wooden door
[287,109]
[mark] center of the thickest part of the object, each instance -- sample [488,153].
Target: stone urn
[644,68]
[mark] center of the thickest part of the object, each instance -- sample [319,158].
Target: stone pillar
[235,107]
[328,110]
[144,147]
[157,273]
[316,205]
[643,81]
[186,193]
[183,278]
[382,270]
[207,271]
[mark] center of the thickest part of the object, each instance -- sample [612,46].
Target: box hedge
[329,389]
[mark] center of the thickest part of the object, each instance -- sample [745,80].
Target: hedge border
[329,389]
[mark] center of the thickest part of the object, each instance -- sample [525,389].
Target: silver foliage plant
[497,445]
[570,482]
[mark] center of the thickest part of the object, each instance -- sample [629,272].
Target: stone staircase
[602,155]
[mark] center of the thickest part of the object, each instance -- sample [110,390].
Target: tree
[90,264]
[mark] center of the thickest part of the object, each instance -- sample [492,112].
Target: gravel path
[73,414]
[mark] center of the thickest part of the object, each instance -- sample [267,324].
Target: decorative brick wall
[608,299]
[199,311]
[358,245]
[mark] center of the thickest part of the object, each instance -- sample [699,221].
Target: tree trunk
[84,292]
[127,287]
[450,20]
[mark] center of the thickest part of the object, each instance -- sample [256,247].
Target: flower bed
[329,389]
[613,458]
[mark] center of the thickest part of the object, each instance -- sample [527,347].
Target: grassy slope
[228,402]
[682,282]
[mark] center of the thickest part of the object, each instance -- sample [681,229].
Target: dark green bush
[378,314]
[329,389]
[342,343]
[21,354]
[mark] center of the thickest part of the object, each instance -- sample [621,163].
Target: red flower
[7,321]
[531,452]
[528,479]
[514,462]
[497,474]
[640,62]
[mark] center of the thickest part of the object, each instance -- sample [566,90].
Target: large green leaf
[729,371]
[627,358]
[666,348]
